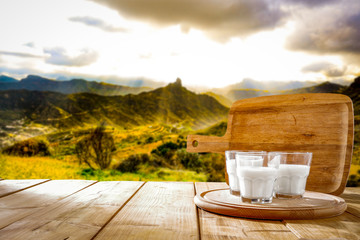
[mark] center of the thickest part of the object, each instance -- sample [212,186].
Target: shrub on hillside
[131,164]
[165,154]
[189,160]
[214,167]
[354,180]
[28,148]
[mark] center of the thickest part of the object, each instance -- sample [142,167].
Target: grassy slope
[49,168]
[172,104]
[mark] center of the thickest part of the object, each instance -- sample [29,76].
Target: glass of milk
[231,168]
[294,168]
[256,178]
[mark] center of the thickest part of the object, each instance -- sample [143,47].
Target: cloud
[218,18]
[29,44]
[331,29]
[17,72]
[59,56]
[310,3]
[328,69]
[320,26]
[20,54]
[98,23]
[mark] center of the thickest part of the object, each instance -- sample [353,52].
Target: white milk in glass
[233,180]
[292,179]
[257,182]
[231,167]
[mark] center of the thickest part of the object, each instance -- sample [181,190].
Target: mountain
[6,79]
[326,87]
[38,83]
[248,83]
[237,94]
[220,98]
[172,104]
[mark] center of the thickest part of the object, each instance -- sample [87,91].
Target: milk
[256,182]
[242,159]
[291,179]
[233,180]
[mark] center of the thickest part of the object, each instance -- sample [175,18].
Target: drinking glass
[256,178]
[294,169]
[231,168]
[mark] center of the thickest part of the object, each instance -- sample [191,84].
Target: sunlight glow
[78,37]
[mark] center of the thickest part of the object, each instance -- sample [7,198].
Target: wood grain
[345,226]
[21,204]
[214,226]
[159,210]
[79,216]
[80,209]
[352,198]
[8,187]
[319,123]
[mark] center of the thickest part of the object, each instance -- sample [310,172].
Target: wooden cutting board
[321,123]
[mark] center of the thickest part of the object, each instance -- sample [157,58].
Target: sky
[211,43]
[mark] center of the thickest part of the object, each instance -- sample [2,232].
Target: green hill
[37,83]
[172,104]
[220,98]
[237,94]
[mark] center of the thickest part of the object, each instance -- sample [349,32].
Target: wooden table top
[82,209]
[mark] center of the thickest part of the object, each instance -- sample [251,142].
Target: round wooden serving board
[312,205]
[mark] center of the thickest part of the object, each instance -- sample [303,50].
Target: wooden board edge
[268,213]
[22,189]
[349,147]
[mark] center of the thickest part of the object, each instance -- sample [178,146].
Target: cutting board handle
[200,143]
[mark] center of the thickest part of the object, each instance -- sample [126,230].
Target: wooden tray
[321,123]
[313,205]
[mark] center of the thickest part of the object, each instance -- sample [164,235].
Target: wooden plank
[352,198]
[8,187]
[21,204]
[345,226]
[160,210]
[215,226]
[79,216]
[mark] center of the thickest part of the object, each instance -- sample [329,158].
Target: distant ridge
[220,98]
[172,104]
[326,87]
[6,79]
[33,82]
[248,83]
